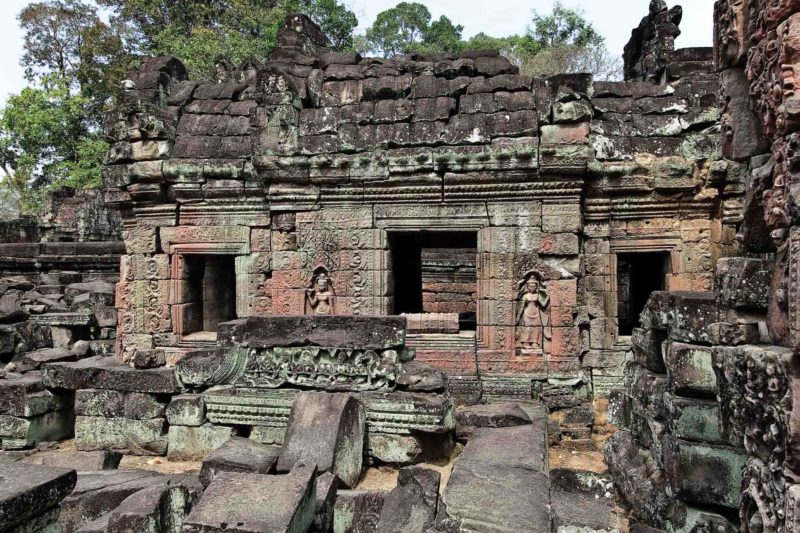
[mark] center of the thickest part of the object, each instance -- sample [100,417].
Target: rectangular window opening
[210,292]
[638,276]
[436,272]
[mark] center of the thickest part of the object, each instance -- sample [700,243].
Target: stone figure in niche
[320,297]
[533,332]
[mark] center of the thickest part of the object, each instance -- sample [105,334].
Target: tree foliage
[47,140]
[407,27]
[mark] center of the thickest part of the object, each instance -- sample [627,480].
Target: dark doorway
[435,272]
[638,275]
[210,291]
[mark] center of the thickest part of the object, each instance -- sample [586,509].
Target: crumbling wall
[735,376]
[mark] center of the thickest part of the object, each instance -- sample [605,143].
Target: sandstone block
[239,455]
[327,429]
[187,443]
[256,503]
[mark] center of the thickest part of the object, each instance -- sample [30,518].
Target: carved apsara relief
[532,319]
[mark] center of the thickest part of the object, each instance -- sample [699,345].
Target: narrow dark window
[638,275]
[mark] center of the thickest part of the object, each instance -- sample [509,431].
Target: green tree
[198,32]
[47,140]
[67,39]
[407,27]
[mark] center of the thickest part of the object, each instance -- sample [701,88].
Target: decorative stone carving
[320,296]
[321,368]
[387,412]
[534,331]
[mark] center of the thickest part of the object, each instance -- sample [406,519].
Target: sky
[614,19]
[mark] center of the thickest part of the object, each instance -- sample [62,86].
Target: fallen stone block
[493,415]
[412,505]
[138,437]
[106,373]
[116,404]
[704,473]
[22,432]
[327,487]
[189,443]
[25,396]
[27,492]
[186,410]
[582,501]
[357,510]
[37,358]
[256,503]
[401,450]
[161,509]
[690,370]
[419,377]
[500,481]
[80,461]
[98,493]
[327,429]
[239,455]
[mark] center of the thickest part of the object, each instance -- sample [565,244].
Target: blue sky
[614,19]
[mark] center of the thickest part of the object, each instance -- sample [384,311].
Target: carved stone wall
[305,167]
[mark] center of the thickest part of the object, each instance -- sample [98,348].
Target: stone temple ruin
[319,269]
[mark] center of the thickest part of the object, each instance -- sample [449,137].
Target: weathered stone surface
[493,415]
[500,481]
[98,493]
[80,461]
[690,370]
[694,419]
[327,487]
[27,491]
[189,443]
[105,373]
[327,429]
[704,473]
[239,455]
[186,410]
[743,282]
[640,481]
[25,396]
[256,503]
[418,377]
[153,509]
[357,511]
[116,404]
[412,505]
[582,501]
[374,333]
[395,449]
[22,432]
[139,437]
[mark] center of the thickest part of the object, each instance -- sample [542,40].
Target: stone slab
[500,482]
[138,437]
[80,461]
[374,333]
[326,429]
[27,491]
[254,503]
[98,493]
[239,455]
[106,373]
